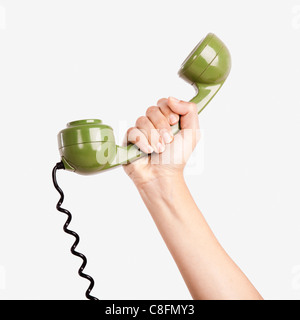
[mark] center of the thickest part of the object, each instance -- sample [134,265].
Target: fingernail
[167,137]
[150,149]
[160,147]
[173,119]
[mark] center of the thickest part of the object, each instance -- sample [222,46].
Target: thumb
[188,111]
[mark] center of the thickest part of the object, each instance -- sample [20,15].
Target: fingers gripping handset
[88,146]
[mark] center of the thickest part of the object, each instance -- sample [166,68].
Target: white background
[66,60]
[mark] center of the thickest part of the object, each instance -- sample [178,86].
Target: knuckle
[151,110]
[130,131]
[165,109]
[141,121]
[162,101]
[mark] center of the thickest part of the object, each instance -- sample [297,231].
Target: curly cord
[59,166]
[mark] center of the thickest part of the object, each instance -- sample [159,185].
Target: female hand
[152,133]
[208,271]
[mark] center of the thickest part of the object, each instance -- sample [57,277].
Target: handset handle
[131,153]
[202,99]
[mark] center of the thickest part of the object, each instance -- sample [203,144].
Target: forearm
[206,268]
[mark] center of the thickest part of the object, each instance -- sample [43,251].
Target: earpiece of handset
[88,146]
[206,68]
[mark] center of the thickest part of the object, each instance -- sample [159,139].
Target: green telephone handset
[88,146]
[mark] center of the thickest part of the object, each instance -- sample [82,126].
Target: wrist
[160,185]
[167,198]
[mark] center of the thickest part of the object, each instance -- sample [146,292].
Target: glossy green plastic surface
[88,146]
[209,63]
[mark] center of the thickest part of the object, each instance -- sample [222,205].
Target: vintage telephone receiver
[88,146]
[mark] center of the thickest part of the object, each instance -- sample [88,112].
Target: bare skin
[208,271]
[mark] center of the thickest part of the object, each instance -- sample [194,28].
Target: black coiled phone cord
[60,166]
